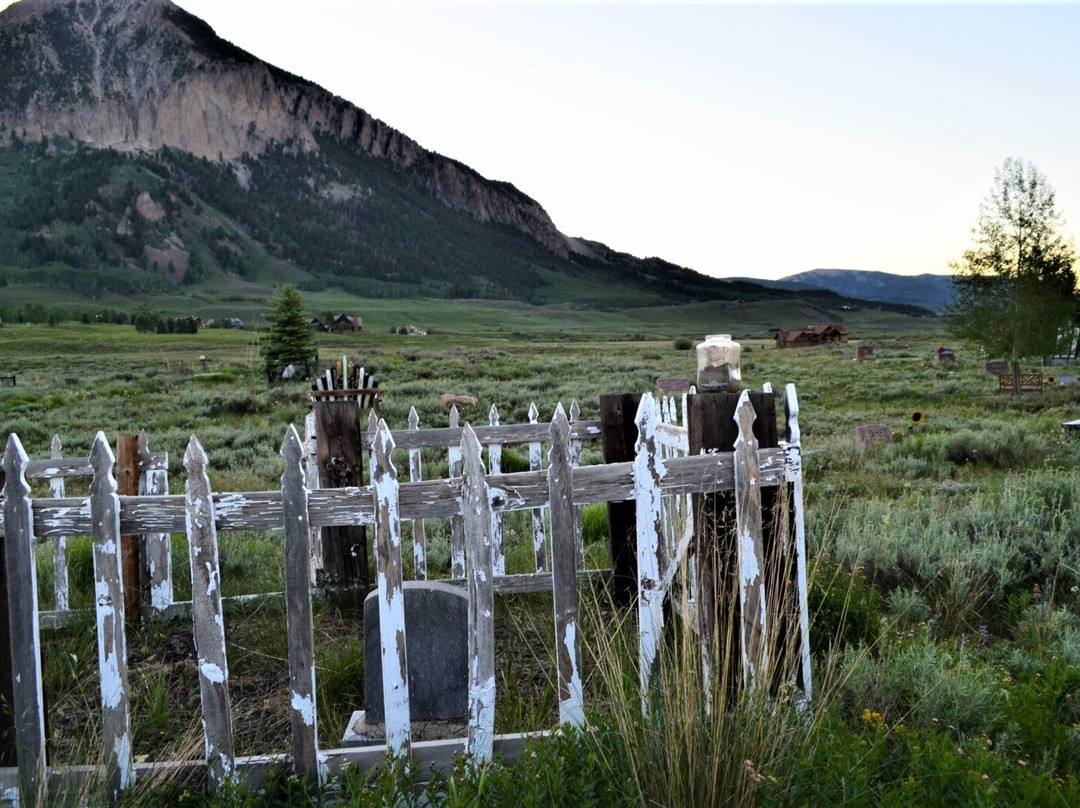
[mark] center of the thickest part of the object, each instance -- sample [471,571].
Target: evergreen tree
[290,339]
[1016,288]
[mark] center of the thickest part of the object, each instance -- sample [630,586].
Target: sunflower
[1051,379]
[917,417]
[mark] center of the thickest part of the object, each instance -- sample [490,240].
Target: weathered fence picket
[476,508]
[564,573]
[419,532]
[110,607]
[649,470]
[539,534]
[753,626]
[28,702]
[797,528]
[391,594]
[207,617]
[60,567]
[303,714]
[157,546]
[495,467]
[457,525]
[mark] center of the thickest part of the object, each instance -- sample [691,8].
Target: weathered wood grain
[28,706]
[477,520]
[110,605]
[391,594]
[564,558]
[303,715]
[311,460]
[209,625]
[127,484]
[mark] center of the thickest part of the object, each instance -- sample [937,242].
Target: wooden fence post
[303,714]
[619,433]
[157,547]
[209,624]
[419,532]
[476,511]
[28,704]
[457,524]
[127,485]
[564,569]
[538,533]
[311,458]
[394,654]
[60,566]
[495,467]
[341,465]
[649,470]
[797,530]
[110,604]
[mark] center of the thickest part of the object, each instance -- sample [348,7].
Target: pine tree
[291,339]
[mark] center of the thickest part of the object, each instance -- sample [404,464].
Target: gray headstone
[437,643]
[996,367]
[863,351]
[872,433]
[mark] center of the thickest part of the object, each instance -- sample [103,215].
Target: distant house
[317,325]
[348,323]
[811,335]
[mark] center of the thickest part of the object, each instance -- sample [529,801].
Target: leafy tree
[290,339]
[1016,287]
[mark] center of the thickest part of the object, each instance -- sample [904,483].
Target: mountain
[926,290]
[139,151]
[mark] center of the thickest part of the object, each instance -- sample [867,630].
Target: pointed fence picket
[472,496]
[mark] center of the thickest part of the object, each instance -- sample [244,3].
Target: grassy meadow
[945,567]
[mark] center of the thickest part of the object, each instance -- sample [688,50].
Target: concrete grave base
[360,733]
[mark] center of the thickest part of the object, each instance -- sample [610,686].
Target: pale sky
[757,140]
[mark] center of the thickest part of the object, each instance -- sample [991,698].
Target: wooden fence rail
[474,496]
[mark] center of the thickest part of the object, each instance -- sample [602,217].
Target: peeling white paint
[211,672]
[305,705]
[482,719]
[572,708]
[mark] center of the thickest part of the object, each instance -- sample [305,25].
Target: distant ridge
[927,290]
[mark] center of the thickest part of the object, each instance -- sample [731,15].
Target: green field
[945,566]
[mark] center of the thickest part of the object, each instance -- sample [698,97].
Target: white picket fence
[476,496]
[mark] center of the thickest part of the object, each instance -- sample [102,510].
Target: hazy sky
[754,140]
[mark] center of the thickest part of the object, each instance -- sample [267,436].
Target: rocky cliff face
[144,74]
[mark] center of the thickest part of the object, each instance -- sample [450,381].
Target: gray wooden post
[564,571]
[476,509]
[649,470]
[311,459]
[419,533]
[28,704]
[754,625]
[457,525]
[60,566]
[303,714]
[538,532]
[157,547]
[793,473]
[110,606]
[394,654]
[209,625]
